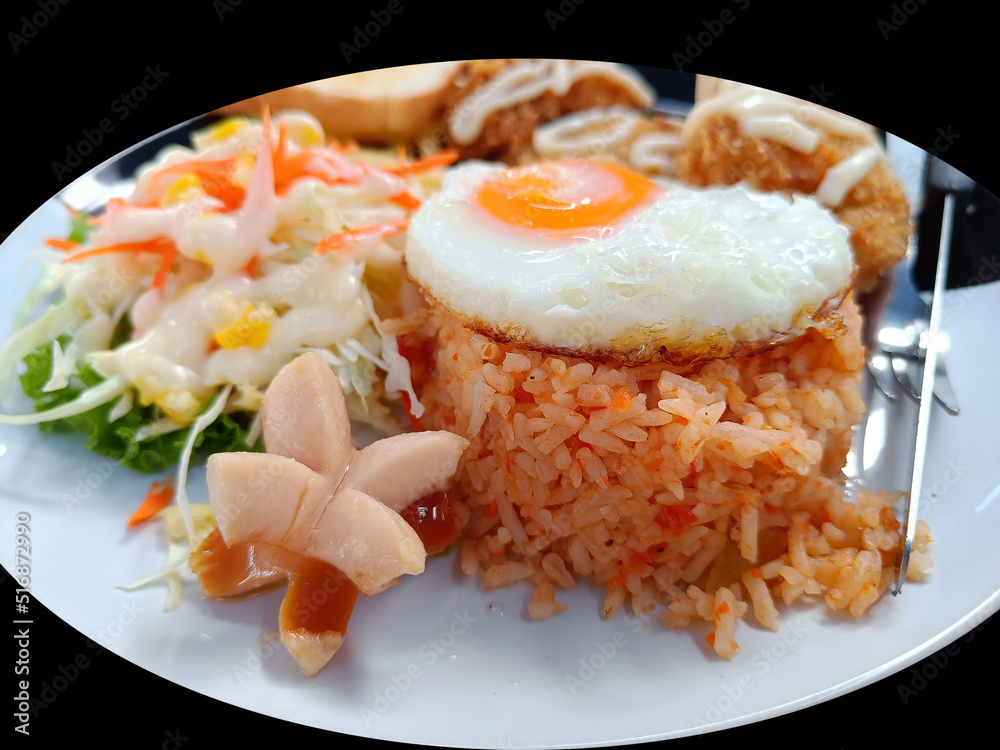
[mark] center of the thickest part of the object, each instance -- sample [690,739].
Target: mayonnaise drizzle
[795,123]
[654,152]
[769,114]
[525,80]
[598,131]
[840,178]
[585,133]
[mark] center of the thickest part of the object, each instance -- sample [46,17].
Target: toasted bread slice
[391,105]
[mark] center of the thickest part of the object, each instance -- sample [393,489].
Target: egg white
[698,262]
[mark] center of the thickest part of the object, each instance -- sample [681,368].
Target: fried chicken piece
[716,151]
[506,131]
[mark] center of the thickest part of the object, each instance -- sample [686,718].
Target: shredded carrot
[621,399]
[674,518]
[59,244]
[406,200]
[146,246]
[425,165]
[251,267]
[710,639]
[159,246]
[349,237]
[288,168]
[491,509]
[160,495]
[319,164]
[216,176]
[722,609]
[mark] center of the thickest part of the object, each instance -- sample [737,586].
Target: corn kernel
[247,398]
[179,404]
[150,387]
[226,129]
[250,329]
[173,521]
[185,188]
[305,131]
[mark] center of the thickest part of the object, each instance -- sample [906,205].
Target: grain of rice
[514,362]
[506,573]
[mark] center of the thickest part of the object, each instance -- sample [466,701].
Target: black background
[914,69]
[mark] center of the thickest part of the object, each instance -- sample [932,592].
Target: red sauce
[434,521]
[245,567]
[320,599]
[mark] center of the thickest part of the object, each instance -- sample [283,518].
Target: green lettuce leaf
[81,228]
[116,440]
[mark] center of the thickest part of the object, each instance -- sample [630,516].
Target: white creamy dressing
[175,349]
[654,152]
[696,259]
[794,123]
[593,132]
[840,178]
[213,324]
[525,80]
[589,131]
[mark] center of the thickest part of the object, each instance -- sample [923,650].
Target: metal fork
[900,341]
[895,339]
[896,318]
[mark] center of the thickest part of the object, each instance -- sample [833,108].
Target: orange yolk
[565,197]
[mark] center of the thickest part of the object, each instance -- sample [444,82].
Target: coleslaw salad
[158,324]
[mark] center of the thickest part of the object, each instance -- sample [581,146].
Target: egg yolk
[565,197]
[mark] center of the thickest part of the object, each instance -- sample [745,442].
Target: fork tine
[943,393]
[873,305]
[908,374]
[880,369]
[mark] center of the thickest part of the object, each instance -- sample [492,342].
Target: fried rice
[703,491]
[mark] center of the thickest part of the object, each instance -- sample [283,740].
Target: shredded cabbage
[210,282]
[199,426]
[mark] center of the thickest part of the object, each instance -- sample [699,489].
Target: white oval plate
[440,639]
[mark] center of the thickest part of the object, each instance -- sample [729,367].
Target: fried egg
[591,259]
